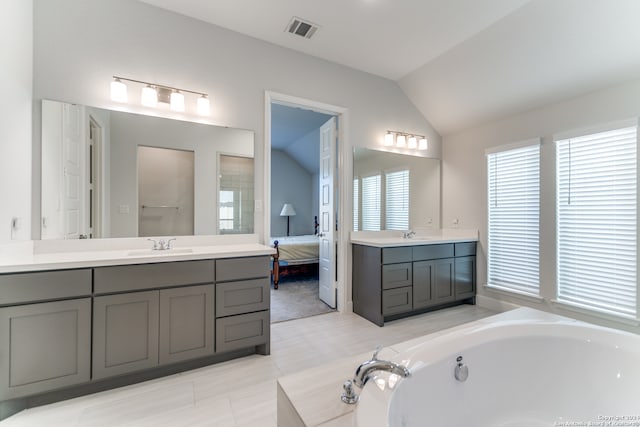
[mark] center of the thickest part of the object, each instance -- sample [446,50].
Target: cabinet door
[186,323]
[465,277]
[125,333]
[423,283]
[443,287]
[44,346]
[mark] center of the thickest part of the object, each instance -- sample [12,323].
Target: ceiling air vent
[302,28]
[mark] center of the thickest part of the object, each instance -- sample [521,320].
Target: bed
[293,250]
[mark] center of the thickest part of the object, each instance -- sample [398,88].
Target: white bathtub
[528,370]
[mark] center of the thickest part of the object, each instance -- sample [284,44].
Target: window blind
[513,181]
[597,220]
[356,204]
[371,203]
[397,200]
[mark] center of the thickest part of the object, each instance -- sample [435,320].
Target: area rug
[295,299]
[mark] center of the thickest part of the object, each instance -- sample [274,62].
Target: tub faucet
[365,370]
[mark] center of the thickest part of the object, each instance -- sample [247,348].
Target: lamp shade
[287,210]
[118,91]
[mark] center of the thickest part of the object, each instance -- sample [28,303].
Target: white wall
[464,169]
[290,183]
[80,44]
[16,59]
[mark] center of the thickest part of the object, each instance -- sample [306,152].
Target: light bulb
[401,140]
[204,106]
[422,144]
[118,91]
[177,101]
[413,142]
[149,96]
[388,139]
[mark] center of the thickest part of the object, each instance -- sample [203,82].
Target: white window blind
[397,200]
[356,204]
[514,219]
[371,203]
[596,220]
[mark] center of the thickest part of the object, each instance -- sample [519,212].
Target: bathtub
[527,369]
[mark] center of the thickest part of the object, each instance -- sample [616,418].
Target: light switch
[258,205]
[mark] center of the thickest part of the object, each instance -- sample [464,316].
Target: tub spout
[366,369]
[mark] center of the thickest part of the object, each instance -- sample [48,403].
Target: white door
[73,152]
[327,267]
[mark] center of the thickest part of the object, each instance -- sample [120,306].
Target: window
[596,221]
[397,200]
[513,181]
[371,203]
[356,204]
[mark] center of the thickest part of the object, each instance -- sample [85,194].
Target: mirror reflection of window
[235,196]
[397,200]
[371,197]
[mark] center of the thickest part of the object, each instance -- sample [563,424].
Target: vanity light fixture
[177,101]
[118,90]
[389,139]
[149,96]
[405,140]
[152,94]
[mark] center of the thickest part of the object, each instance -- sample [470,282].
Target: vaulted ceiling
[461,62]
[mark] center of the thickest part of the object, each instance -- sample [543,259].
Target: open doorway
[303,206]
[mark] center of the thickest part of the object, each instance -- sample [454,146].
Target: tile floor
[240,392]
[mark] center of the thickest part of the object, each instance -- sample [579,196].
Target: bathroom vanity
[395,277]
[109,321]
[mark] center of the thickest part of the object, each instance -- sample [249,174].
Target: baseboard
[495,304]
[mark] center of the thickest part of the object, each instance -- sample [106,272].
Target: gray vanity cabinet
[45,334]
[433,282]
[144,315]
[186,323]
[125,333]
[242,304]
[394,282]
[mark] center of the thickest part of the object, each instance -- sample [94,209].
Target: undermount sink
[174,251]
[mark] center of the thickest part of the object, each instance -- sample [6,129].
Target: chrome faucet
[408,234]
[366,369]
[161,245]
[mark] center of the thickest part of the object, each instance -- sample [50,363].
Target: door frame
[344,153]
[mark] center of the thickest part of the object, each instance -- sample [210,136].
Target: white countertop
[32,256]
[388,239]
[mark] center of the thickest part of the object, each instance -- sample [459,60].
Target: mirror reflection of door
[165,192]
[235,194]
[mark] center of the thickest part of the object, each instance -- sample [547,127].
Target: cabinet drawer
[242,297]
[465,249]
[242,268]
[394,255]
[396,275]
[244,330]
[426,252]
[28,287]
[395,301]
[149,276]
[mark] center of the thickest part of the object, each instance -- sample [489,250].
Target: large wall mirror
[393,191]
[116,174]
